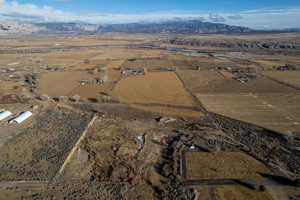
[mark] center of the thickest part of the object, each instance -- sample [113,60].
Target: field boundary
[282,82]
[195,99]
[76,146]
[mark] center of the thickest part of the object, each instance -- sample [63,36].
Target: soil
[161,87]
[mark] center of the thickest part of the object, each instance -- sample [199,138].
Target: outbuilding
[22,117]
[5,114]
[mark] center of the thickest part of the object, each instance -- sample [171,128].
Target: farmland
[161,88]
[221,165]
[114,114]
[291,78]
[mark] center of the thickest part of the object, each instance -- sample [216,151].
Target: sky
[257,14]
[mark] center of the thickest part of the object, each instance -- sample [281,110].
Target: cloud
[16,16]
[62,0]
[216,18]
[235,17]
[258,19]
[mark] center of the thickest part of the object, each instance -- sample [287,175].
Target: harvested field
[37,152]
[156,87]
[231,192]
[89,65]
[226,192]
[289,77]
[271,111]
[193,47]
[213,82]
[91,91]
[125,53]
[226,74]
[66,83]
[170,61]
[169,110]
[62,41]
[195,80]
[222,165]
[150,64]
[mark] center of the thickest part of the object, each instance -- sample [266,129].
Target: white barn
[22,117]
[5,114]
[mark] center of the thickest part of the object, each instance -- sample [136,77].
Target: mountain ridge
[176,27]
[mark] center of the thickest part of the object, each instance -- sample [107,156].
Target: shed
[22,117]
[5,114]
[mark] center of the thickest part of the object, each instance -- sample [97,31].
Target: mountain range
[181,27]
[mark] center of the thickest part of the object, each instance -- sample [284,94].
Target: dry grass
[62,41]
[192,47]
[275,111]
[236,192]
[91,91]
[13,194]
[223,165]
[169,110]
[226,74]
[158,87]
[126,53]
[37,152]
[290,77]
[64,83]
[210,82]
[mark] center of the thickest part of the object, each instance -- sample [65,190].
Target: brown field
[191,47]
[271,60]
[226,74]
[222,165]
[267,110]
[169,110]
[289,77]
[91,91]
[174,60]
[231,192]
[70,80]
[91,64]
[126,53]
[63,83]
[195,80]
[153,63]
[154,87]
[63,41]
[237,192]
[210,82]
[93,149]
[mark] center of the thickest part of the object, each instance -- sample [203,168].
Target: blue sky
[141,6]
[259,14]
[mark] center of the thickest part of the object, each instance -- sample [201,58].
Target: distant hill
[14,27]
[68,27]
[189,26]
[180,27]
